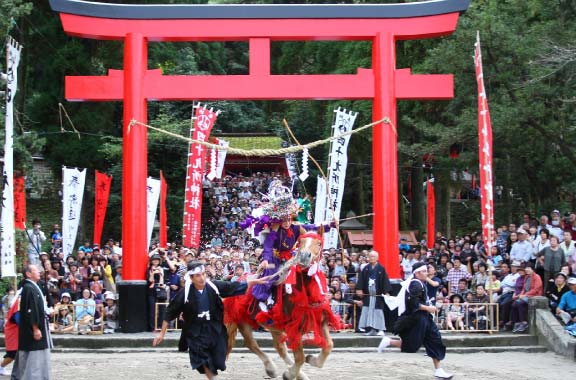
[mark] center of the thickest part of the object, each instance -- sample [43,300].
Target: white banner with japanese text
[152,199]
[7,222]
[338,163]
[73,180]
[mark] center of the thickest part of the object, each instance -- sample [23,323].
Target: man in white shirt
[568,247]
[556,226]
[522,249]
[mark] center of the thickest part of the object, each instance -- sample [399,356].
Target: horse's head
[309,249]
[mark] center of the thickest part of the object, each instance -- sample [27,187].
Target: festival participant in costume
[203,332]
[34,341]
[415,324]
[372,284]
[11,337]
[280,243]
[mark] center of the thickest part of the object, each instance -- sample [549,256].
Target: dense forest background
[529,53]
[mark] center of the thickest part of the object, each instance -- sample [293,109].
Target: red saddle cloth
[300,314]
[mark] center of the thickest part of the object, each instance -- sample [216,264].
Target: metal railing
[89,325]
[469,317]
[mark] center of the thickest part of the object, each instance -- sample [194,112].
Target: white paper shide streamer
[338,162]
[304,175]
[152,199]
[8,249]
[72,195]
[221,157]
[213,163]
[291,165]
[320,209]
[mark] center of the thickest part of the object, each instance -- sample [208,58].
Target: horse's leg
[231,329]
[280,346]
[283,352]
[293,372]
[251,344]
[318,361]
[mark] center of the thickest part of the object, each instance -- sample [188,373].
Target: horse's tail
[232,329]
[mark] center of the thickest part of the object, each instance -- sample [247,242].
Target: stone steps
[346,342]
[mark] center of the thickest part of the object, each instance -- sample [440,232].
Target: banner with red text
[431,212]
[204,120]
[485,152]
[102,185]
[163,216]
[20,202]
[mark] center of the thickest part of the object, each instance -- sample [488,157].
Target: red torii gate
[136,25]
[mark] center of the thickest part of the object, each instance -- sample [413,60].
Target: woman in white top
[541,242]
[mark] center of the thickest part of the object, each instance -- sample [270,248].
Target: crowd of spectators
[229,201]
[533,257]
[536,257]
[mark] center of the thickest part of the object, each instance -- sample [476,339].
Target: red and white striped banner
[204,120]
[485,152]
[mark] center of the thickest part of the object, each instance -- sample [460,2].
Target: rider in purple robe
[281,241]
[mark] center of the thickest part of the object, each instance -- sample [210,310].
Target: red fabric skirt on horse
[301,314]
[237,310]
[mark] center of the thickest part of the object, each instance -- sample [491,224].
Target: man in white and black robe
[34,341]
[203,333]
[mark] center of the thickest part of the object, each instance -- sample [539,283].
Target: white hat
[516,263]
[555,212]
[65,294]
[521,231]
[572,281]
[110,296]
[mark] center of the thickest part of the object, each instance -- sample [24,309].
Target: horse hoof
[312,360]
[271,370]
[302,376]
[287,375]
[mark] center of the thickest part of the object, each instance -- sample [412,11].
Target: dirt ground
[391,365]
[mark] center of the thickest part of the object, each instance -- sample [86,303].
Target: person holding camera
[35,239]
[156,288]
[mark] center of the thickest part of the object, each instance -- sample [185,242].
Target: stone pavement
[392,365]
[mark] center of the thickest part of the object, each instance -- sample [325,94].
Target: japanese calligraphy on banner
[338,162]
[8,249]
[20,202]
[152,198]
[103,183]
[72,195]
[320,208]
[204,120]
[485,152]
